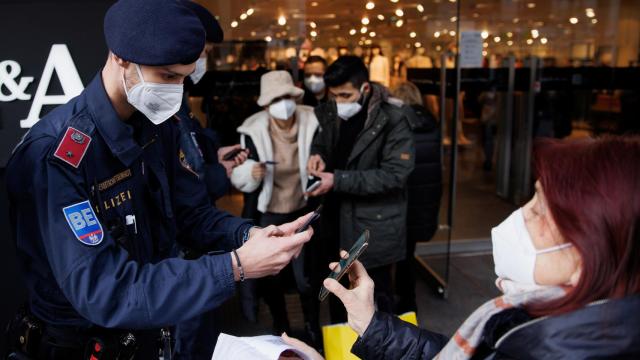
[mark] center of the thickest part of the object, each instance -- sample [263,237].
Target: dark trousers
[273,288]
[406,280]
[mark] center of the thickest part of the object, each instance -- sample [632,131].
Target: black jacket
[425,182]
[372,190]
[603,330]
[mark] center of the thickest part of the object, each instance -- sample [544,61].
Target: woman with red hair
[568,264]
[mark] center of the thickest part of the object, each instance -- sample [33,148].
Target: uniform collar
[116,133]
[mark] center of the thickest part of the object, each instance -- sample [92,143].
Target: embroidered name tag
[114,180]
[84,223]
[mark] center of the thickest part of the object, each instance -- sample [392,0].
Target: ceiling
[511,21]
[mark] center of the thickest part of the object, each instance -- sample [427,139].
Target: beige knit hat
[275,84]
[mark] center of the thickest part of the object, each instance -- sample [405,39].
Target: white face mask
[158,102]
[283,109]
[314,83]
[348,110]
[513,252]
[201,69]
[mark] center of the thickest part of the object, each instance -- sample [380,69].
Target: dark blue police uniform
[96,203]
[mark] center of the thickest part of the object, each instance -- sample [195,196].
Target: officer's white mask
[314,83]
[201,69]
[158,102]
[283,109]
[514,254]
[350,109]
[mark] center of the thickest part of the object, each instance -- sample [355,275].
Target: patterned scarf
[464,342]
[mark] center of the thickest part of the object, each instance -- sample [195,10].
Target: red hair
[592,187]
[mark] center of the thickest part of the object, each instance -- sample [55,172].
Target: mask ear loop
[124,83]
[554,248]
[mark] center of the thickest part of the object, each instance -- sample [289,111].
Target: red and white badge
[73,146]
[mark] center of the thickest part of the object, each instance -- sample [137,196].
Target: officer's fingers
[290,243]
[334,266]
[344,254]
[291,227]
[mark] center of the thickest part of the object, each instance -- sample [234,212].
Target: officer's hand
[270,249]
[258,171]
[325,186]
[315,164]
[236,161]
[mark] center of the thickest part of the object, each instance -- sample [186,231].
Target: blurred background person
[274,179]
[363,156]
[315,92]
[379,66]
[425,190]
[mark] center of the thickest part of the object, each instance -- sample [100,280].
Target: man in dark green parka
[363,153]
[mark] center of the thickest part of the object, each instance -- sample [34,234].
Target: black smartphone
[354,253]
[314,217]
[313,183]
[231,154]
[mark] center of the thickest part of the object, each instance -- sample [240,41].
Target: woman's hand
[236,161]
[315,164]
[359,299]
[258,171]
[306,349]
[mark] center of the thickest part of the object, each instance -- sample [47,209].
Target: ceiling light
[372,34]
[250,11]
[365,21]
[394,1]
[363,30]
[370,5]
[543,40]
[485,45]
[452,33]
[282,20]
[535,33]
[509,42]
[314,4]
[253,33]
[352,32]
[531,5]
[496,39]
[589,12]
[453,19]
[399,23]
[516,20]
[484,52]
[268,39]
[436,34]
[594,21]
[420,7]
[413,34]
[438,47]
[313,33]
[573,20]
[399,12]
[484,34]
[509,34]
[243,16]
[529,41]
[313,25]
[380,17]
[417,44]
[234,24]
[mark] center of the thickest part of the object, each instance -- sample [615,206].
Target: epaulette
[74,143]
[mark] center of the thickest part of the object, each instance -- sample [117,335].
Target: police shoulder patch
[84,223]
[73,146]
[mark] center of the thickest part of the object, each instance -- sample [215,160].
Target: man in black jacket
[363,153]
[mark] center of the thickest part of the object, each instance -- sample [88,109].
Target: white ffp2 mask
[283,109]
[347,110]
[314,83]
[513,252]
[201,69]
[158,102]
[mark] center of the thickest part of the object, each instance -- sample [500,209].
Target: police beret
[154,32]
[209,22]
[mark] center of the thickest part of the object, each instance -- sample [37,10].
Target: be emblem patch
[73,146]
[84,223]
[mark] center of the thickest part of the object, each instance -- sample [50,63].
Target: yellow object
[339,338]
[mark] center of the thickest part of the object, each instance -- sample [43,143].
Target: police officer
[202,146]
[98,191]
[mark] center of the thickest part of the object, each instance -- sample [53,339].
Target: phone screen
[354,253]
[314,217]
[313,183]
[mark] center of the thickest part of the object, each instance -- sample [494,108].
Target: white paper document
[266,347]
